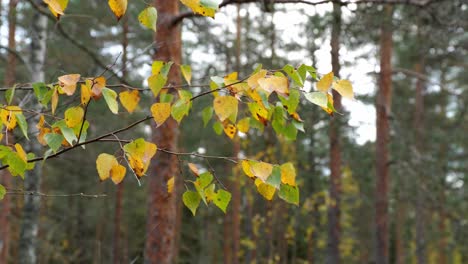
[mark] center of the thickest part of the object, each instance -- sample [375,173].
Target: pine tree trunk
[5,176]
[400,245]
[30,226]
[333,256]
[418,129]
[161,219]
[383,109]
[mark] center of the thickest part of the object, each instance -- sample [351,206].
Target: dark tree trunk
[333,256]
[383,109]
[161,219]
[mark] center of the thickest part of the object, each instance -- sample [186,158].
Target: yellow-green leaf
[225,107]
[278,84]
[243,125]
[345,88]
[111,99]
[156,82]
[160,112]
[129,100]
[149,17]
[288,174]
[186,72]
[198,8]
[246,168]
[139,154]
[261,170]
[54,101]
[68,83]
[221,199]
[104,164]
[325,83]
[118,7]
[74,116]
[191,199]
[266,190]
[318,98]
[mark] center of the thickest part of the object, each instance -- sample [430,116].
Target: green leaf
[23,124]
[218,128]
[275,178]
[111,99]
[9,94]
[201,183]
[54,141]
[211,3]
[291,102]
[43,94]
[290,131]
[84,131]
[278,122]
[2,192]
[318,98]
[17,166]
[298,125]
[222,199]
[67,132]
[149,17]
[207,113]
[166,98]
[257,69]
[186,72]
[156,83]
[192,200]
[289,193]
[30,165]
[294,75]
[180,109]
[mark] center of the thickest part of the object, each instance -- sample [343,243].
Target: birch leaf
[85,94]
[111,99]
[192,200]
[129,100]
[199,7]
[278,84]
[225,107]
[325,83]
[149,17]
[229,129]
[221,199]
[57,7]
[345,88]
[266,190]
[186,72]
[160,112]
[170,185]
[318,98]
[139,153]
[74,116]
[261,170]
[104,164]
[118,7]
[118,173]
[68,83]
[288,174]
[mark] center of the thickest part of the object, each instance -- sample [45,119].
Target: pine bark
[383,109]
[30,226]
[161,218]
[334,229]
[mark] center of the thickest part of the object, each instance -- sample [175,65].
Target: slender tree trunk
[5,177]
[400,245]
[418,129]
[383,109]
[120,188]
[29,227]
[334,230]
[160,227]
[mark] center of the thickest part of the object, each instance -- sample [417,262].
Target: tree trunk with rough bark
[30,226]
[383,109]
[334,230]
[161,218]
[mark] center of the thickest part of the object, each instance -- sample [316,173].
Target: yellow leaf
[149,17]
[229,129]
[54,101]
[225,107]
[193,168]
[42,131]
[170,185]
[21,152]
[160,112]
[139,154]
[261,170]
[85,93]
[104,164]
[74,116]
[197,8]
[118,7]
[259,112]
[329,109]
[243,125]
[130,99]
[96,84]
[278,84]
[288,174]
[57,7]
[246,168]
[253,80]
[325,83]
[8,116]
[68,83]
[117,173]
[186,72]
[345,88]
[266,190]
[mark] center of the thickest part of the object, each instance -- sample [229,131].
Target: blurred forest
[384,181]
